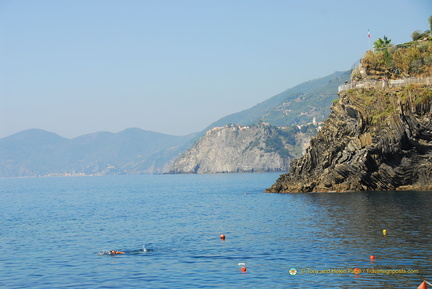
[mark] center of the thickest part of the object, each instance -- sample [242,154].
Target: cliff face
[234,149]
[374,139]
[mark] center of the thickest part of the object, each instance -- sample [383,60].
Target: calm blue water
[52,229]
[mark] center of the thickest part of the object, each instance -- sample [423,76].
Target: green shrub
[403,61]
[416,35]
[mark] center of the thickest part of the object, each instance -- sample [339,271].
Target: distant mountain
[133,151]
[24,153]
[297,105]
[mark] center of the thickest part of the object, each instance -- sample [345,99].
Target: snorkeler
[112,252]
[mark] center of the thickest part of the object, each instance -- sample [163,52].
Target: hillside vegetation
[298,105]
[412,59]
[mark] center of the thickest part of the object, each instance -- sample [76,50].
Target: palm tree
[382,43]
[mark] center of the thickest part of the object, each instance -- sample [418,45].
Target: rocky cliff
[374,139]
[234,149]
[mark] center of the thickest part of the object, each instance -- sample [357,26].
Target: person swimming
[114,252]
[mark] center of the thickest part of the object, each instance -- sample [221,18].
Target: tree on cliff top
[416,35]
[382,43]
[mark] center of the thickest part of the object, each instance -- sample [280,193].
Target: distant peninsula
[237,149]
[379,133]
[266,137]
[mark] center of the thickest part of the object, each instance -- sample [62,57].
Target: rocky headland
[236,149]
[379,133]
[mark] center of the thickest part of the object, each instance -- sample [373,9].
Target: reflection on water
[350,227]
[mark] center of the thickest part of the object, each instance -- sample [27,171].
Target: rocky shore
[374,139]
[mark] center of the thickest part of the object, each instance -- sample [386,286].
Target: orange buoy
[422,285]
[372,257]
[222,236]
[243,269]
[357,271]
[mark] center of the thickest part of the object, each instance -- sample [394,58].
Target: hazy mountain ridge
[318,93]
[37,152]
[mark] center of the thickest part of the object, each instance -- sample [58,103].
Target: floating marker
[384,232]
[222,236]
[243,269]
[357,271]
[422,285]
[372,257]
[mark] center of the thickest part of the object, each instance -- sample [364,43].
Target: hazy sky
[175,66]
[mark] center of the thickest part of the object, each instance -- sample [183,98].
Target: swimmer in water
[112,252]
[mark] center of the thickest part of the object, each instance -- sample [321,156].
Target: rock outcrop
[374,139]
[236,149]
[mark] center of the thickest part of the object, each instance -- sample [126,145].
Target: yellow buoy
[384,232]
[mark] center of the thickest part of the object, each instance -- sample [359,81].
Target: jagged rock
[374,139]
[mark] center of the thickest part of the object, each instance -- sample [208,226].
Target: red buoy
[357,271]
[243,269]
[422,286]
[372,257]
[222,237]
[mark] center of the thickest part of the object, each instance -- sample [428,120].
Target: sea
[56,232]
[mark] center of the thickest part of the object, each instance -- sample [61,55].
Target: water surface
[52,229]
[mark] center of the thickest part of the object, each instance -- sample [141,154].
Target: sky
[175,66]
